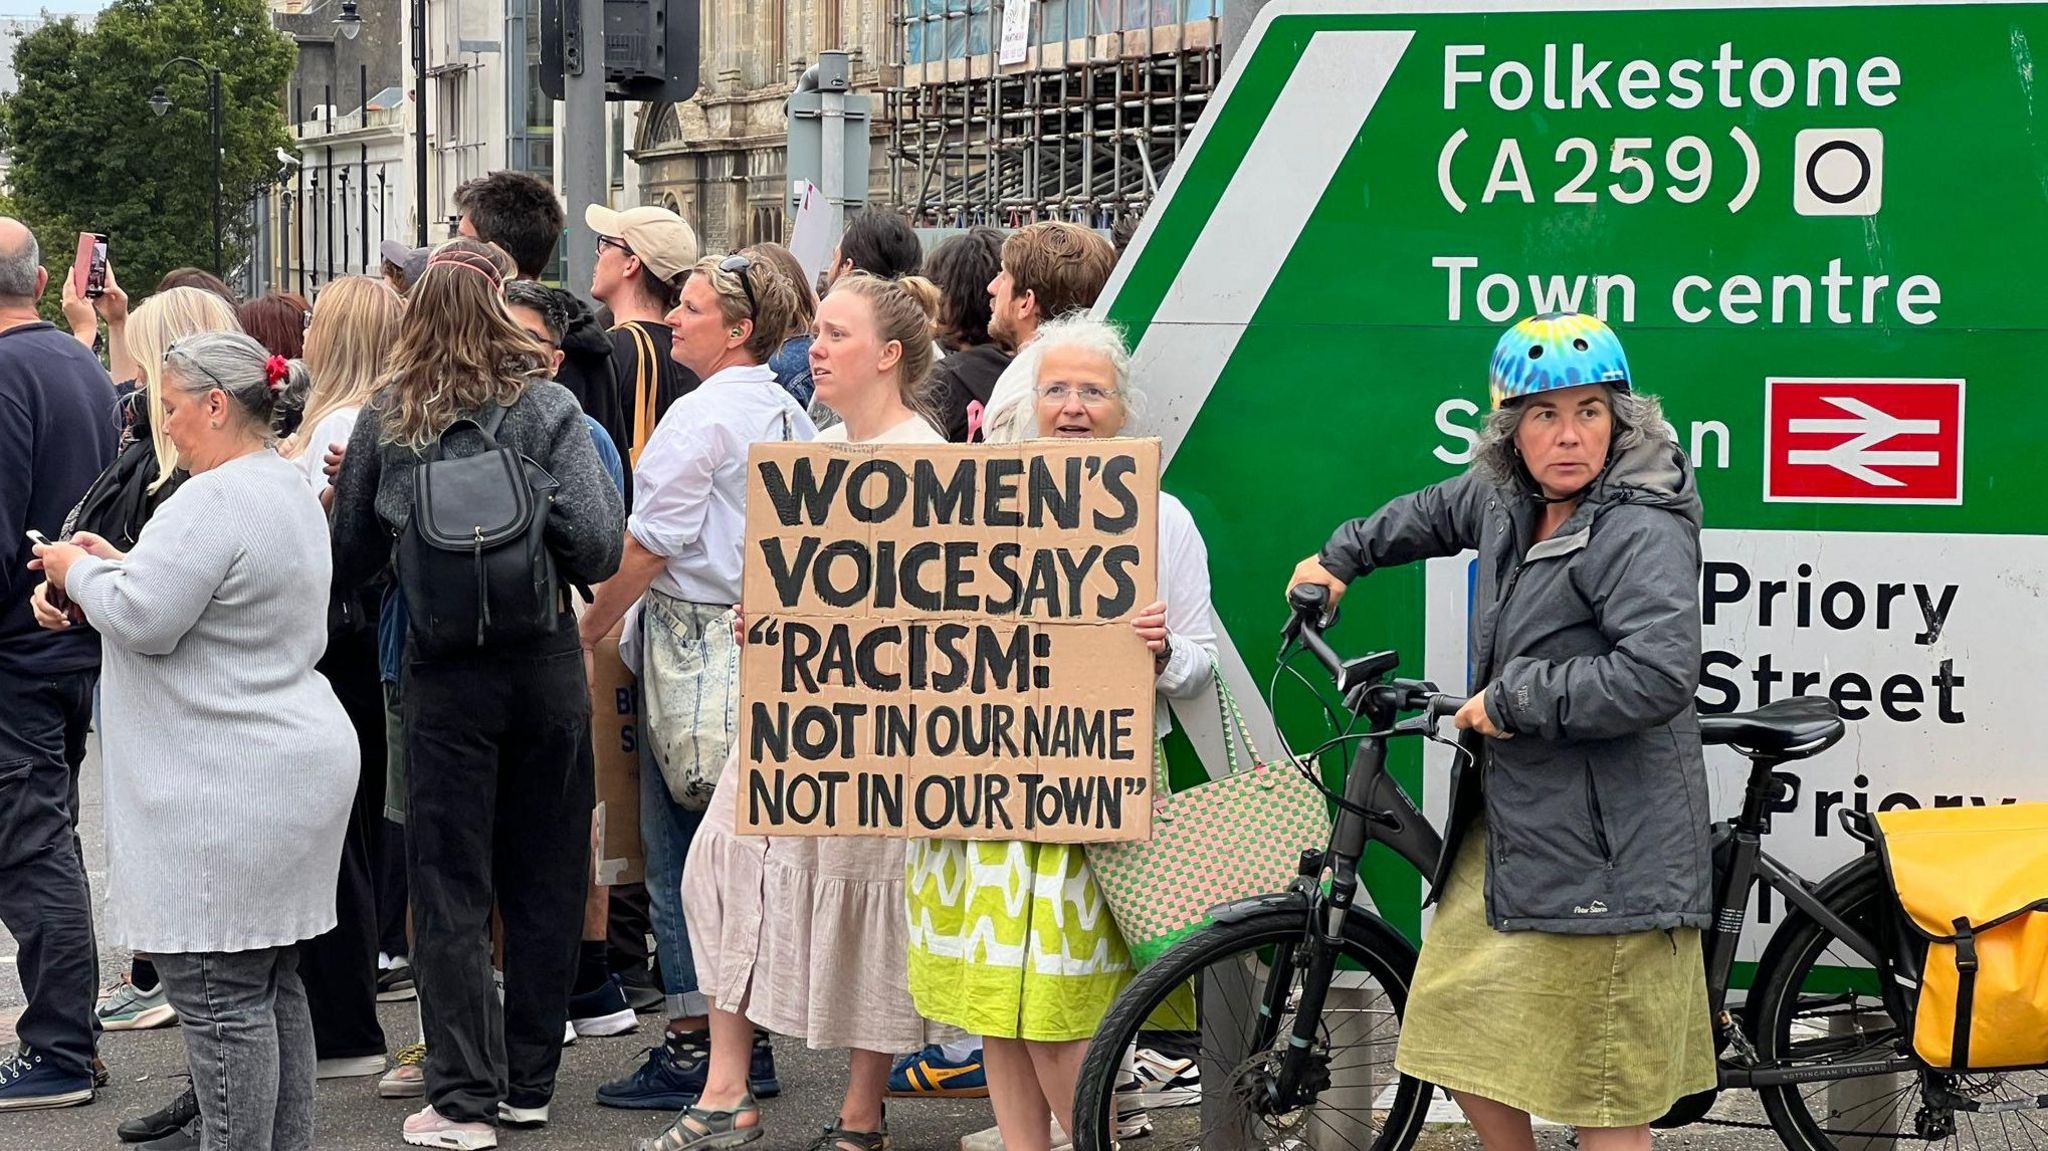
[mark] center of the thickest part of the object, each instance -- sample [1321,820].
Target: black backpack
[473,562]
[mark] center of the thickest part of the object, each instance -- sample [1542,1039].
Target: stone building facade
[720,158]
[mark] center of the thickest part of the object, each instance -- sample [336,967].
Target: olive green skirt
[1584,1030]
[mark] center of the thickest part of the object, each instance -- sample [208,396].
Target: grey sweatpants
[249,1041]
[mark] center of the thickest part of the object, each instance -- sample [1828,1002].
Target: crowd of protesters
[279,764]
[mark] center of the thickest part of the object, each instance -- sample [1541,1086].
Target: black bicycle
[1285,1012]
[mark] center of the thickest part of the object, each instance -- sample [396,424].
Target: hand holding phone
[58,599]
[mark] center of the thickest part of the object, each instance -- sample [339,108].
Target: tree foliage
[89,154]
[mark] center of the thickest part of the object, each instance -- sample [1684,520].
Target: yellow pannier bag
[1974,882]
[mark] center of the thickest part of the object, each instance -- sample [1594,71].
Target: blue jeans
[666,830]
[249,1043]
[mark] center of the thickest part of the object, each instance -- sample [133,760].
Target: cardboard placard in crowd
[615,738]
[938,640]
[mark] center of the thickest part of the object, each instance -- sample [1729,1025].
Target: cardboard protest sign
[615,738]
[939,641]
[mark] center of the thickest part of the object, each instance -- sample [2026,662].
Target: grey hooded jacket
[1588,646]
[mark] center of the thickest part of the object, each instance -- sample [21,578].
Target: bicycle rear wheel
[1202,1001]
[1816,1002]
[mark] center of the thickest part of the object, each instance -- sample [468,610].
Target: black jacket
[967,376]
[1588,647]
[56,435]
[590,374]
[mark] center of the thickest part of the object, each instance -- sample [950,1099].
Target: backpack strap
[486,424]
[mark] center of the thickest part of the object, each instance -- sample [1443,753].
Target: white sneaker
[523,1116]
[1151,1079]
[569,1034]
[429,1129]
[353,1067]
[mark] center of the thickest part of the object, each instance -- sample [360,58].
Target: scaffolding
[1081,125]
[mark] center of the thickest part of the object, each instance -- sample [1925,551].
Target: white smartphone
[36,537]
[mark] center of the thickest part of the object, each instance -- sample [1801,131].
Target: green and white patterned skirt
[1011,939]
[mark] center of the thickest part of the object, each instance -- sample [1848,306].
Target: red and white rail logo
[1863,441]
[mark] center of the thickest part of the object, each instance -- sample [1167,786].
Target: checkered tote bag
[1224,840]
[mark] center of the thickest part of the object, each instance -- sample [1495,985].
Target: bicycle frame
[1395,821]
[1749,866]
[1375,810]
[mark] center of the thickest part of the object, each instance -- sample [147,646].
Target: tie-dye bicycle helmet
[1556,350]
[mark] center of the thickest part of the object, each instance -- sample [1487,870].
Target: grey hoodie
[1588,647]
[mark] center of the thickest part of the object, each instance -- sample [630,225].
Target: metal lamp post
[160,103]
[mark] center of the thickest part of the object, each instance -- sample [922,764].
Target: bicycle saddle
[1795,727]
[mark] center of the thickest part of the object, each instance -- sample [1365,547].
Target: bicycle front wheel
[1195,1056]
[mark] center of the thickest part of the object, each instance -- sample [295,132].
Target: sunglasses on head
[738,266]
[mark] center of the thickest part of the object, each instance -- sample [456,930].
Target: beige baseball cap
[663,240]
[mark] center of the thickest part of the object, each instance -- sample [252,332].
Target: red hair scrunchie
[275,369]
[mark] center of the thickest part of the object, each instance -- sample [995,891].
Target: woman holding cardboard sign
[1035,981]
[805,936]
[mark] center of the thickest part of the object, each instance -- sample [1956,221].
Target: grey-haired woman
[230,765]
[1574,877]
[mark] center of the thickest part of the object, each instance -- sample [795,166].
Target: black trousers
[339,968]
[499,794]
[44,901]
[392,898]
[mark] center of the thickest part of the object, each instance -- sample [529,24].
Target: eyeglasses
[738,266]
[1091,396]
[604,242]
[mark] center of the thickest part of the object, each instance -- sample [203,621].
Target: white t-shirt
[915,430]
[690,487]
[334,428]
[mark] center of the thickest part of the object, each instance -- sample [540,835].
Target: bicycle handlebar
[1312,615]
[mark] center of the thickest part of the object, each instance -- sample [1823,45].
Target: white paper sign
[1016,31]
[811,240]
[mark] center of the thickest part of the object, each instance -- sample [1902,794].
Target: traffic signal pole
[582,137]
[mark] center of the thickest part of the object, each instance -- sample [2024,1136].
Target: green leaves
[90,155]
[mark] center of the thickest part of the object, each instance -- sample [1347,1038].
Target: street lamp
[349,24]
[160,103]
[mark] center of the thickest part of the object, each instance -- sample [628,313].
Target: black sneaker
[185,1138]
[643,992]
[166,1120]
[761,1078]
[27,1083]
[603,1011]
[671,1078]
[395,984]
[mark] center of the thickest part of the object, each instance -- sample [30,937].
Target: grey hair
[1083,332]
[1638,419]
[18,269]
[231,361]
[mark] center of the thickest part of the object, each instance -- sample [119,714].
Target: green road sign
[1816,228]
